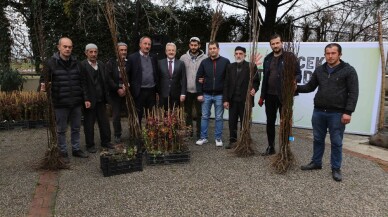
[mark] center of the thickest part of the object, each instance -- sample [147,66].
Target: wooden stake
[382,95]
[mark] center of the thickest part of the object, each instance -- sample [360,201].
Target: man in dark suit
[96,93]
[117,88]
[235,91]
[143,77]
[172,79]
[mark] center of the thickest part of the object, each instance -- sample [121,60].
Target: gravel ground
[214,183]
[19,150]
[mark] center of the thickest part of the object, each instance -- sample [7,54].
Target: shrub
[11,80]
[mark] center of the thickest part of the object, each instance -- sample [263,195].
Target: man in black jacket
[143,77]
[97,94]
[116,88]
[172,77]
[271,90]
[235,91]
[210,84]
[67,89]
[334,103]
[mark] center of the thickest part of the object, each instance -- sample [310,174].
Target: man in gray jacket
[334,104]
[192,60]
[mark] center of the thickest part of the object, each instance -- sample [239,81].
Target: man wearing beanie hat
[235,91]
[96,93]
[192,58]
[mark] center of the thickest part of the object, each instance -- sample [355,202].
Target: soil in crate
[111,166]
[170,158]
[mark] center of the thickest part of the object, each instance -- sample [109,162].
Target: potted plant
[164,135]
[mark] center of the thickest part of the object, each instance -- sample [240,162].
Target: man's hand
[346,119]
[182,98]
[201,80]
[253,92]
[121,92]
[261,102]
[200,98]
[226,105]
[295,86]
[257,59]
[43,87]
[87,104]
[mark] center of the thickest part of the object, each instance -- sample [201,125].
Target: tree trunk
[267,30]
[5,40]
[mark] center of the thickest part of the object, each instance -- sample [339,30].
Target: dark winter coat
[213,80]
[337,92]
[91,88]
[280,71]
[231,81]
[67,81]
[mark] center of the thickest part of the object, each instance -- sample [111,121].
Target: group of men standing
[198,81]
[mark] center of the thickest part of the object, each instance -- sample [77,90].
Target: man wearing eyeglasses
[172,79]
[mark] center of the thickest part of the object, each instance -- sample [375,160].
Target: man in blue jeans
[210,83]
[334,104]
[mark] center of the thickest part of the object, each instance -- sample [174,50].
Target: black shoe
[117,139]
[64,157]
[269,151]
[80,153]
[311,166]
[230,145]
[91,149]
[337,176]
[108,146]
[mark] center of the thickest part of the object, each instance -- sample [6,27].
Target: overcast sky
[300,9]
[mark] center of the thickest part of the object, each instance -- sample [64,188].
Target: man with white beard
[235,90]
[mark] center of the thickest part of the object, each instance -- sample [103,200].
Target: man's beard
[239,60]
[194,51]
[277,51]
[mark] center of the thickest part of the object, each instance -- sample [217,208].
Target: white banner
[363,56]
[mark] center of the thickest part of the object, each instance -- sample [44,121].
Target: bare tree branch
[322,9]
[285,13]
[234,4]
[284,3]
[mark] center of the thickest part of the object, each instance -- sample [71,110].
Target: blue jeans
[63,115]
[209,100]
[322,121]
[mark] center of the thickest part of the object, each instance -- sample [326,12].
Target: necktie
[170,68]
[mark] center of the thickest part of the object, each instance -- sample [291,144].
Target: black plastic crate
[170,158]
[111,166]
[37,124]
[18,125]
[4,125]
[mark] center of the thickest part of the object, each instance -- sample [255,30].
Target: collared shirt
[144,55]
[172,64]
[94,65]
